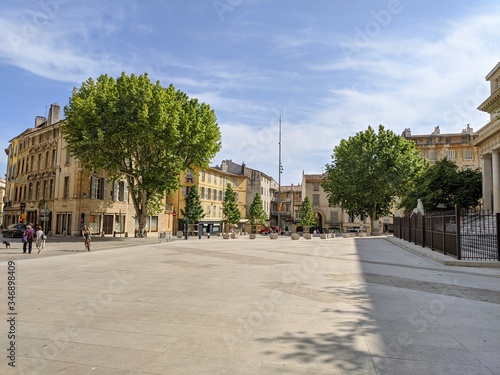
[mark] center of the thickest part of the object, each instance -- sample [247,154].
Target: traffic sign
[44,218]
[44,211]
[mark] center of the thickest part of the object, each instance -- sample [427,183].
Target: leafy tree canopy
[369,170]
[306,214]
[256,214]
[193,210]
[444,183]
[230,211]
[132,128]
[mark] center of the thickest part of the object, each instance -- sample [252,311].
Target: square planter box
[346,235]
[225,236]
[252,236]
[295,236]
[323,236]
[273,236]
[307,236]
[234,235]
[362,234]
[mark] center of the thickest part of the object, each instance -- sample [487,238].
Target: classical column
[495,172]
[487,183]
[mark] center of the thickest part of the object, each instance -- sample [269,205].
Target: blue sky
[329,67]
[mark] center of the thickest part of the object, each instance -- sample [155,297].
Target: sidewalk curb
[441,258]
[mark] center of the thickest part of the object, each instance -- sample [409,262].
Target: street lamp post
[279,177]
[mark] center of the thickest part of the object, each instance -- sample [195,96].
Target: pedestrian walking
[39,238]
[86,236]
[28,245]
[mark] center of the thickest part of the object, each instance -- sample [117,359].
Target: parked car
[271,229]
[14,230]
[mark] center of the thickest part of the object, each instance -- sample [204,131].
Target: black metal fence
[471,235]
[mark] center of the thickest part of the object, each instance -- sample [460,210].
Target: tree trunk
[374,224]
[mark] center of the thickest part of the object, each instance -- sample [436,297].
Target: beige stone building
[2,195]
[328,219]
[457,147]
[288,206]
[46,186]
[212,184]
[488,143]
[257,182]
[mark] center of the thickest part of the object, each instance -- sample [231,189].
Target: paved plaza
[245,307]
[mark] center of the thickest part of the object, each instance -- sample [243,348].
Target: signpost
[44,212]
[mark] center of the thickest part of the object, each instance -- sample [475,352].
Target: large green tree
[194,210]
[256,214]
[132,128]
[369,170]
[230,211]
[306,214]
[444,183]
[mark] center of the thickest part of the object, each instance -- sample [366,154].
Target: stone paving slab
[362,306]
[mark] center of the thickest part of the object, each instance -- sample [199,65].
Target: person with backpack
[30,234]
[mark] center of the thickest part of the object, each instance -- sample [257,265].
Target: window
[53,158]
[209,193]
[432,155]
[316,186]
[220,211]
[237,197]
[51,189]
[316,199]
[66,187]
[467,155]
[32,163]
[30,192]
[97,188]
[215,179]
[47,159]
[68,156]
[220,195]
[44,192]
[37,190]
[119,191]
[234,182]
[189,176]
[450,154]
[335,217]
[202,192]
[208,210]
[214,194]
[203,176]
[210,177]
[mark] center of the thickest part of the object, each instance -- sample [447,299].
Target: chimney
[54,113]
[406,133]
[39,121]
[436,130]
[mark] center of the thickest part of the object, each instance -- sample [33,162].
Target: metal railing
[471,235]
